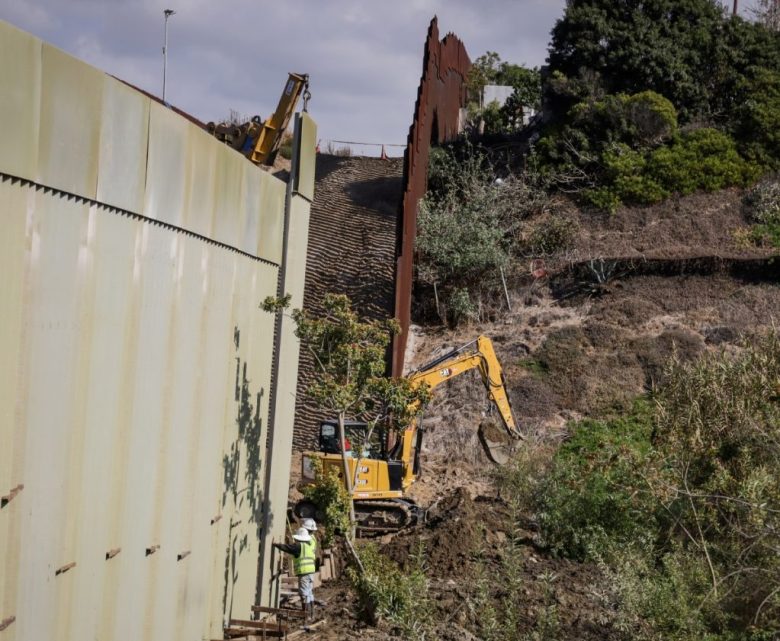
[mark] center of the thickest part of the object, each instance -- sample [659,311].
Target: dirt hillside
[583,340]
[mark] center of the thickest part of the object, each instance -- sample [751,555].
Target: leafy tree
[489,69]
[685,50]
[484,71]
[757,125]
[349,357]
[744,51]
[663,45]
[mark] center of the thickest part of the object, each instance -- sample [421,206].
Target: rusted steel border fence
[441,95]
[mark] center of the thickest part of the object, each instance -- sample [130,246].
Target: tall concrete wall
[136,369]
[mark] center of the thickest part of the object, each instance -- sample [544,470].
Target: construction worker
[311,525]
[304,566]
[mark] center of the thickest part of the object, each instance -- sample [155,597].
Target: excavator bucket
[498,445]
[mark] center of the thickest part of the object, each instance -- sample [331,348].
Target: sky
[364,57]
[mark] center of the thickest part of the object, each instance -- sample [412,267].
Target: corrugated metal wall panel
[269,242]
[200,180]
[20,77]
[251,186]
[168,135]
[136,363]
[47,406]
[71,104]
[227,206]
[124,137]
[284,410]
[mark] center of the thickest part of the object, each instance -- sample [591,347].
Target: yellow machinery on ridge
[259,140]
[381,475]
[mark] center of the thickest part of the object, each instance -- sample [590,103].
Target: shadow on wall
[248,495]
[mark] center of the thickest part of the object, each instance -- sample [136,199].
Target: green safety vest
[304,562]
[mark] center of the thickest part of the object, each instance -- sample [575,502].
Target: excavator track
[376,518]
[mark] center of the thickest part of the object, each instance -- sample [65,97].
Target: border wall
[440,97]
[139,380]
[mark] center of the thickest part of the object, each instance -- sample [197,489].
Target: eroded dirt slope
[583,340]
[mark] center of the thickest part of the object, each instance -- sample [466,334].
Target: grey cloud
[364,58]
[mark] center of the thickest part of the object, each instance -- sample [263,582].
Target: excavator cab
[356,439]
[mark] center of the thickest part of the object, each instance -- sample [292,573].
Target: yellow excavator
[259,140]
[381,472]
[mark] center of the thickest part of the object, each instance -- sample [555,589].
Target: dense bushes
[626,149]
[461,229]
[593,127]
[704,159]
[682,503]
[621,74]
[685,50]
[588,499]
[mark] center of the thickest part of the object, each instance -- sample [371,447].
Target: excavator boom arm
[269,138]
[483,357]
[478,354]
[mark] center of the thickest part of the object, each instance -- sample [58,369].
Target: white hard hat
[302,535]
[310,524]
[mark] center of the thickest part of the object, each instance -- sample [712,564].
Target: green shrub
[626,149]
[589,498]
[552,235]
[660,598]
[765,235]
[603,198]
[626,169]
[332,501]
[461,231]
[468,228]
[652,117]
[763,201]
[703,159]
[681,501]
[386,592]
[459,306]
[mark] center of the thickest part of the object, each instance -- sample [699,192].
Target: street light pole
[168,13]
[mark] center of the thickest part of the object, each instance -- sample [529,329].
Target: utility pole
[736,6]
[168,13]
